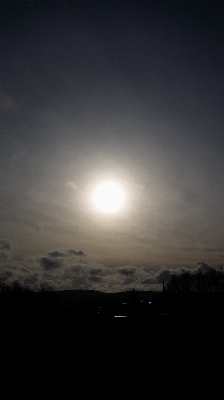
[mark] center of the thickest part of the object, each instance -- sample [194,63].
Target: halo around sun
[108,197]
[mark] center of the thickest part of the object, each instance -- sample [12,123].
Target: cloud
[164,275]
[73,270]
[5,275]
[48,263]
[127,271]
[95,278]
[5,244]
[202,266]
[72,185]
[76,253]
[5,249]
[56,254]
[66,253]
[31,280]
[76,269]
[95,271]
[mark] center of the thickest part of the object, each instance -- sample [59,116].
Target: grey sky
[124,91]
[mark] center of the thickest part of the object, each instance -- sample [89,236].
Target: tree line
[17,287]
[211,281]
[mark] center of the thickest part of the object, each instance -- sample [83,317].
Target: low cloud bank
[73,269]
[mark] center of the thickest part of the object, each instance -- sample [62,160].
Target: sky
[130,92]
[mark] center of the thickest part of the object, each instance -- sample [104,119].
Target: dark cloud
[95,278]
[56,254]
[76,268]
[163,275]
[61,272]
[79,282]
[76,253]
[95,271]
[5,249]
[147,281]
[24,269]
[49,264]
[66,253]
[127,271]
[5,244]
[5,275]
[31,280]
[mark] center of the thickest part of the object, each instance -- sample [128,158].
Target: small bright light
[108,197]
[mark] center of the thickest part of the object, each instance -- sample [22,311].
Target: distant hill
[74,296]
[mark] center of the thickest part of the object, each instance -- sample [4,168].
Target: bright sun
[108,197]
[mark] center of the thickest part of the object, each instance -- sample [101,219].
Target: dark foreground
[147,348]
[122,347]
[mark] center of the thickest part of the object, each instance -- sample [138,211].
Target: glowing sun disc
[108,197]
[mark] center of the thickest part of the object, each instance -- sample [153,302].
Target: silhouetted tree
[173,285]
[186,282]
[211,281]
[14,286]
[17,287]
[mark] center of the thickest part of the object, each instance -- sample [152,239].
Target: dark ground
[123,347]
[142,349]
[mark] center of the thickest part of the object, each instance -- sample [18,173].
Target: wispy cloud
[70,184]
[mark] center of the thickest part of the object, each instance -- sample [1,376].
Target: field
[123,347]
[57,344]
